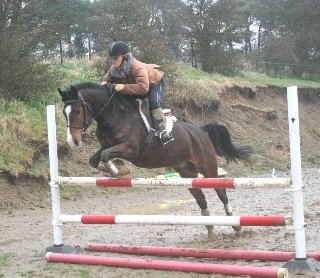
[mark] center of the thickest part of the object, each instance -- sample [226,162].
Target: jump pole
[245,255]
[169,265]
[177,220]
[231,183]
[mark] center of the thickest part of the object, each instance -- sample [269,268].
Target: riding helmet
[118,48]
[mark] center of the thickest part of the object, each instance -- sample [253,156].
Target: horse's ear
[74,91]
[62,93]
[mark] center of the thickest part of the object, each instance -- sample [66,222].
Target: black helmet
[118,48]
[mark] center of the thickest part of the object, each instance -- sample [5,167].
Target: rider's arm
[141,87]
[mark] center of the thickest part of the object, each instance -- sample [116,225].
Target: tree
[30,31]
[289,33]
[22,74]
[214,29]
[135,27]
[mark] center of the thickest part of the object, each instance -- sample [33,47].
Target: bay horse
[123,135]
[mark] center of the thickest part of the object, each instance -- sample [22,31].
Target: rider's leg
[156,94]
[160,121]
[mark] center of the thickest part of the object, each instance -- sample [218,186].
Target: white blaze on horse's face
[73,138]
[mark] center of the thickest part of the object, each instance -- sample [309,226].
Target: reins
[104,106]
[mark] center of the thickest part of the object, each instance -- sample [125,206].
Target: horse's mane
[94,86]
[87,85]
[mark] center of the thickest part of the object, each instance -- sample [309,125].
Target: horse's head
[78,114]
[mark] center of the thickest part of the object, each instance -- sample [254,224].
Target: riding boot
[160,122]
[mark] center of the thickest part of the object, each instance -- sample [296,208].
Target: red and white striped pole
[177,220]
[246,183]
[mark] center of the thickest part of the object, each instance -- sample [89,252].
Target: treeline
[224,36]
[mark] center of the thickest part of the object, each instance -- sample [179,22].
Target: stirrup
[165,137]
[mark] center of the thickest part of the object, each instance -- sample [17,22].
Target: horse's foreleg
[222,194]
[123,150]
[95,159]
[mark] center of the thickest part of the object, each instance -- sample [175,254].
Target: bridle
[87,108]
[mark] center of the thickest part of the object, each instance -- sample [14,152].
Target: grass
[23,132]
[15,132]
[30,273]
[5,259]
[67,192]
[77,71]
[259,79]
[65,270]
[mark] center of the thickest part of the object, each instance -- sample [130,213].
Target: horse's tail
[221,140]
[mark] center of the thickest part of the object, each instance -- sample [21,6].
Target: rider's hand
[119,87]
[103,83]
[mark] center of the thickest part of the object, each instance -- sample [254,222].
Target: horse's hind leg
[211,172]
[222,194]
[189,171]
[198,194]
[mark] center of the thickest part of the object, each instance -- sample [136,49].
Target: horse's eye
[78,111]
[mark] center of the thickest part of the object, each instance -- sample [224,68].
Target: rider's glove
[119,87]
[103,83]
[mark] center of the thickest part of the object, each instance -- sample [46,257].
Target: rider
[133,77]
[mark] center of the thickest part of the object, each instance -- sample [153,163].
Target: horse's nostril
[77,143]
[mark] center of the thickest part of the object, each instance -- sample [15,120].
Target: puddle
[159,208]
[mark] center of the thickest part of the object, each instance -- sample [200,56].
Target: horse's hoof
[210,235]
[101,167]
[108,168]
[118,162]
[123,171]
[237,228]
[205,212]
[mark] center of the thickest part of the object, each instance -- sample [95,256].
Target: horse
[122,134]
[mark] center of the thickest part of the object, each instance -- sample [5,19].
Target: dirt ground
[25,233]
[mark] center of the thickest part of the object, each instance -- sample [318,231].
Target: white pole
[55,192]
[296,173]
